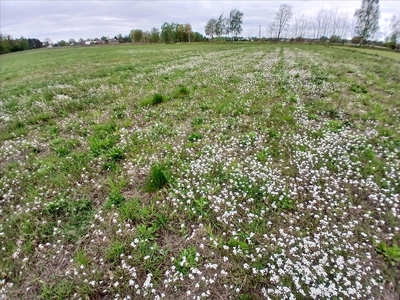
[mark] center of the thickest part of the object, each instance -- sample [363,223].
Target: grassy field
[242,171]
[384,53]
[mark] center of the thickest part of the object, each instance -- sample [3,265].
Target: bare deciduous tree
[326,23]
[300,25]
[282,19]
[395,29]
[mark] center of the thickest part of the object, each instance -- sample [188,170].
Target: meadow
[199,171]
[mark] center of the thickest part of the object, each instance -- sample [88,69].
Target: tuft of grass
[77,215]
[99,145]
[158,178]
[81,258]
[61,290]
[113,251]
[182,91]
[116,154]
[283,203]
[62,147]
[391,253]
[115,198]
[130,210]
[156,99]
[197,121]
[39,118]
[187,260]
[355,88]
[195,136]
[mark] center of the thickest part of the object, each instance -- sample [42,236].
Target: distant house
[98,42]
[113,41]
[88,42]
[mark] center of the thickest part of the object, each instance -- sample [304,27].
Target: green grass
[158,178]
[156,99]
[215,170]
[383,53]
[391,253]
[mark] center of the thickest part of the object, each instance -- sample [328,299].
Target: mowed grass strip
[384,53]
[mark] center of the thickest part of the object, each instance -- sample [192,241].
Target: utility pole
[259,32]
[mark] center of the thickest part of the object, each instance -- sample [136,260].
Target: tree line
[170,33]
[333,25]
[324,25]
[9,44]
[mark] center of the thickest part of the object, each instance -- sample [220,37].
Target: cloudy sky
[65,19]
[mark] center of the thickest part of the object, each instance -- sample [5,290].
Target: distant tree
[300,25]
[168,33]
[367,19]
[356,40]
[146,36]
[198,37]
[335,39]
[62,43]
[281,21]
[323,21]
[210,28]
[104,38]
[220,26]
[180,34]
[47,42]
[136,35]
[187,29]
[235,22]
[35,44]
[4,44]
[154,35]
[15,45]
[82,41]
[395,30]
[120,38]
[127,38]
[71,42]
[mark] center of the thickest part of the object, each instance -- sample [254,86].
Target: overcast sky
[89,19]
